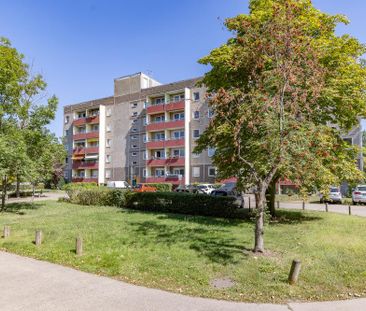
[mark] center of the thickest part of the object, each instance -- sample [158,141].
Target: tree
[27,148]
[283,89]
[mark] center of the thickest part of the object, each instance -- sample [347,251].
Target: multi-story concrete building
[146,132]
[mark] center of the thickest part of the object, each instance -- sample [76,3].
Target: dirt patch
[222,283]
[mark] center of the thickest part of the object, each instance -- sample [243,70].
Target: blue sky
[79,46]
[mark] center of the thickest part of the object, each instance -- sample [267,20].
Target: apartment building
[145,132]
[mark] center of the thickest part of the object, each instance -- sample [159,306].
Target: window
[144,172]
[196,171]
[67,119]
[135,114]
[178,116]
[66,174]
[109,128]
[109,112]
[134,137]
[108,173]
[211,152]
[81,115]
[144,138]
[178,134]
[144,155]
[178,171]
[159,154]
[210,113]
[108,158]
[348,140]
[134,163]
[134,130]
[159,119]
[108,143]
[159,172]
[66,132]
[134,146]
[211,171]
[196,133]
[134,105]
[134,121]
[145,120]
[159,101]
[94,173]
[159,137]
[134,154]
[177,98]
[178,153]
[196,115]
[196,96]
[195,155]
[95,128]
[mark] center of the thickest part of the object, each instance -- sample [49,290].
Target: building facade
[145,132]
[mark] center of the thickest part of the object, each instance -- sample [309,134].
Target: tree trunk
[260,201]
[3,195]
[18,187]
[271,197]
[242,205]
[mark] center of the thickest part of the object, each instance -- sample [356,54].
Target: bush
[182,203]
[161,187]
[73,189]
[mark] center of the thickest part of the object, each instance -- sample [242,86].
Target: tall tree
[278,85]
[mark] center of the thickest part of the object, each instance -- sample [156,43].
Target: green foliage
[182,203]
[73,189]
[161,187]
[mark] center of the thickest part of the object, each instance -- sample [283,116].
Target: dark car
[188,189]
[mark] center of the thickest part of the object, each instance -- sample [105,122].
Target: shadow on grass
[292,218]
[208,241]
[18,207]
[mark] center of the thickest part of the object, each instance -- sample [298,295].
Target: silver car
[359,194]
[334,196]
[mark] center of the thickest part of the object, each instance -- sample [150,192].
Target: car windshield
[361,188]
[334,190]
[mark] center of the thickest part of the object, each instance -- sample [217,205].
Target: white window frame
[108,142]
[134,146]
[109,112]
[134,105]
[108,128]
[134,137]
[194,115]
[134,130]
[108,173]
[108,158]
[211,152]
[199,133]
[196,171]
[196,98]
[134,154]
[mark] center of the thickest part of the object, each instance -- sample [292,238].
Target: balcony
[172,106]
[82,150]
[173,179]
[167,125]
[88,120]
[84,179]
[174,161]
[80,136]
[85,165]
[156,144]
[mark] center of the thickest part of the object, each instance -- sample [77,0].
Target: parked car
[121,184]
[359,194]
[144,188]
[334,196]
[228,190]
[206,188]
[188,189]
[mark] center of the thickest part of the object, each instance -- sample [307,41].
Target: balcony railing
[83,150]
[171,106]
[168,161]
[84,179]
[89,120]
[162,143]
[85,164]
[86,135]
[174,179]
[162,125]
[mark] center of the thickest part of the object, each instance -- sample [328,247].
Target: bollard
[349,210]
[6,232]
[278,204]
[249,204]
[326,207]
[303,204]
[79,246]
[38,239]
[294,272]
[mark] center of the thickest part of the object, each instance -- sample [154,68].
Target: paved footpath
[28,284]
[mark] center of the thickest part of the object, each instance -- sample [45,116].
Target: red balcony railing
[168,179]
[179,161]
[80,136]
[81,150]
[172,106]
[88,120]
[85,165]
[165,125]
[165,143]
[83,179]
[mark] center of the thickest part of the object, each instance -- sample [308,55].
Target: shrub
[182,203]
[73,189]
[161,187]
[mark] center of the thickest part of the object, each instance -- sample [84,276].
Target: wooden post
[6,232]
[278,204]
[349,210]
[294,272]
[303,204]
[326,207]
[249,204]
[79,246]
[38,239]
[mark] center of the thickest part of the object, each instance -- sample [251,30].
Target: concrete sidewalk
[28,284]
[46,196]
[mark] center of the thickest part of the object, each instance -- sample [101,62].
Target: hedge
[161,187]
[182,203]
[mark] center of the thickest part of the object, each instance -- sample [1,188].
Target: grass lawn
[184,253]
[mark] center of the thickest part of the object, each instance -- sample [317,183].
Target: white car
[359,194]
[121,184]
[334,196]
[206,188]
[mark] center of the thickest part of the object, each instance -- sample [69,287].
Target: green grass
[184,253]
